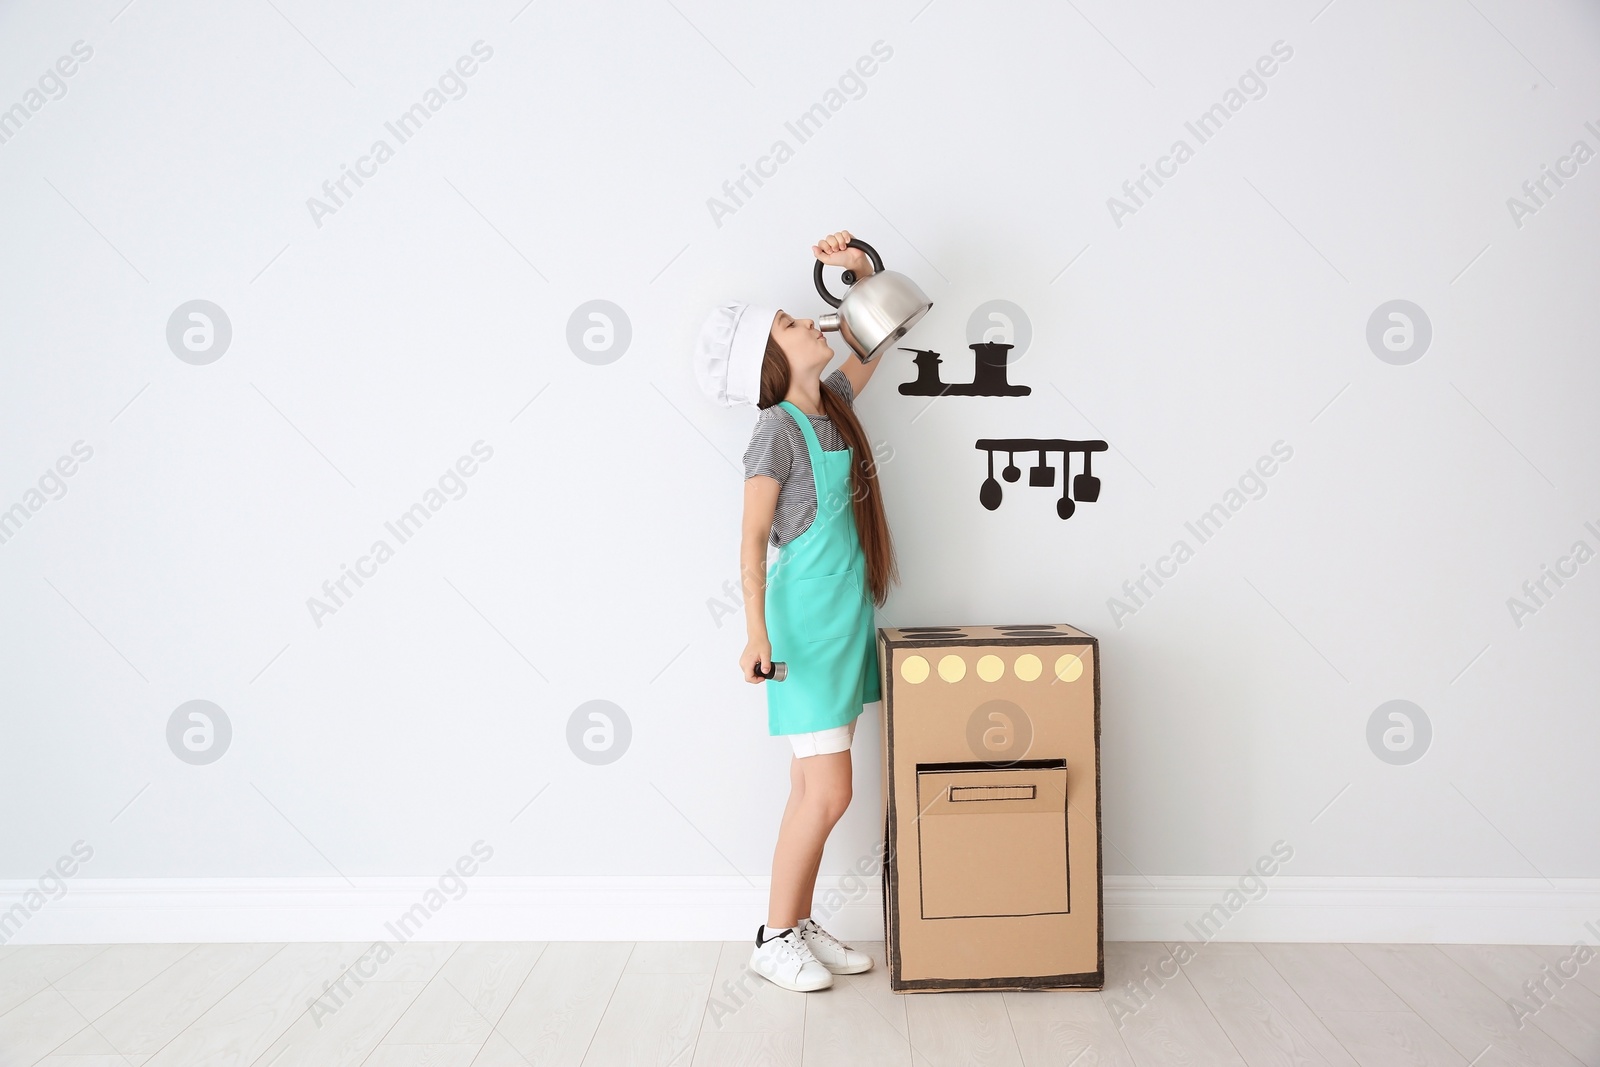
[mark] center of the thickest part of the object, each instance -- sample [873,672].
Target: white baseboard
[1437,910]
[1484,911]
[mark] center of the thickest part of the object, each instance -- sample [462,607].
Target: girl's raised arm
[835,249]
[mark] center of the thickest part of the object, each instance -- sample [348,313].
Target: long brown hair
[866,500]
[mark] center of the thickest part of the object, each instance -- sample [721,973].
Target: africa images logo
[736,192]
[337,192]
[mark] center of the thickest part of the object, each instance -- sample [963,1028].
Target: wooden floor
[605,1004]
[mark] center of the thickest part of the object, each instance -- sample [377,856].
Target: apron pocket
[830,605]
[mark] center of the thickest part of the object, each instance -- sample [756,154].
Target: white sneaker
[832,953]
[787,961]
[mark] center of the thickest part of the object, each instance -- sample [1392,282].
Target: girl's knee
[829,803]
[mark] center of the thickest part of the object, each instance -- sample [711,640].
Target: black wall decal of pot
[1085,486]
[988,378]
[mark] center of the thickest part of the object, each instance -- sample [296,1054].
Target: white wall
[373,346]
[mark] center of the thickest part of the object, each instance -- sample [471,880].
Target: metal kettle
[876,311]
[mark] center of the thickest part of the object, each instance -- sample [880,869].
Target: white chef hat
[728,354]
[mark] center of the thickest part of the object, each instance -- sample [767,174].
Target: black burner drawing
[988,379]
[1085,486]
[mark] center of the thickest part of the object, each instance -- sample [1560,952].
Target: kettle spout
[828,323]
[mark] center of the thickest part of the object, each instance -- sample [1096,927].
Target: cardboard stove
[991,787]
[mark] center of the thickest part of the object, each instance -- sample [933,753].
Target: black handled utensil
[1086,486]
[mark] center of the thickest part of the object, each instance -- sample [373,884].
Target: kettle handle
[849,275]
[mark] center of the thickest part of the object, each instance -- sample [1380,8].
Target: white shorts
[820,742]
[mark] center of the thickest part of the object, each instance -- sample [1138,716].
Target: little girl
[811,490]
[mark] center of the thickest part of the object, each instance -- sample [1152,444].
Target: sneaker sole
[862,969]
[793,988]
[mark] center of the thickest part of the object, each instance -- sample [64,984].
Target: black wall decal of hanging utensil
[1085,486]
[988,379]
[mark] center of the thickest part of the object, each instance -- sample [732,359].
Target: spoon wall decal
[989,495]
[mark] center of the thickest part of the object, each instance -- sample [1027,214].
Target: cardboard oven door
[992,841]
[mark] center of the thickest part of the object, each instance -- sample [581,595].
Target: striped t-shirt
[778,450]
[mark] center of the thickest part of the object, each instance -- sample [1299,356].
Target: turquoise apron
[819,611]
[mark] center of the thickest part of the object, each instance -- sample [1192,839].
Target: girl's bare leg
[819,793]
